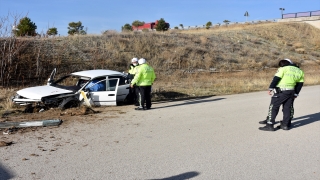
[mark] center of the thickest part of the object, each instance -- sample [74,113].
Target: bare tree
[10,46]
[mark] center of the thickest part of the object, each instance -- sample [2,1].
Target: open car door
[51,78]
[108,96]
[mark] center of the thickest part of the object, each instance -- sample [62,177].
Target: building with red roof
[149,26]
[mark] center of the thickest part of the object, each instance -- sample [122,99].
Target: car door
[108,96]
[123,89]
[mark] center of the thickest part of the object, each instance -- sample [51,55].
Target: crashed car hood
[39,92]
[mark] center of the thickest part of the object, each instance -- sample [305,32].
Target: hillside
[242,47]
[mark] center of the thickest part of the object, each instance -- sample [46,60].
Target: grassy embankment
[188,63]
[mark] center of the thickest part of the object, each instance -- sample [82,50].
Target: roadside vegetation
[219,60]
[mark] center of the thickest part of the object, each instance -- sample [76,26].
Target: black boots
[284,127]
[139,108]
[263,122]
[268,127]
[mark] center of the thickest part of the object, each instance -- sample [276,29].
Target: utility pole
[246,14]
[281,9]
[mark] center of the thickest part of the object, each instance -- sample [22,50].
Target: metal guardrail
[284,16]
[301,14]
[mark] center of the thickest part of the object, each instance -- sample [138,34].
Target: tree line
[26,27]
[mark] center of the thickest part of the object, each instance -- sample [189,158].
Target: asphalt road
[206,138]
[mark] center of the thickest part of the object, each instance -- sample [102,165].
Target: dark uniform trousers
[286,99]
[132,93]
[136,95]
[145,96]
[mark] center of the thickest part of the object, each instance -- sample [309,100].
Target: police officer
[134,91]
[286,85]
[291,109]
[144,78]
[134,63]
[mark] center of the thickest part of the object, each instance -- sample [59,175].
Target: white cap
[134,60]
[142,61]
[289,61]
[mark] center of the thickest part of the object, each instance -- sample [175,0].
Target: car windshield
[71,82]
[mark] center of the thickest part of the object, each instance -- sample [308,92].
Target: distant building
[150,26]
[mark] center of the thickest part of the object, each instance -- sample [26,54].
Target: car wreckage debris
[3,143]
[50,122]
[83,94]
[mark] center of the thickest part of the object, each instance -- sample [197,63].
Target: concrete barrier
[314,23]
[314,20]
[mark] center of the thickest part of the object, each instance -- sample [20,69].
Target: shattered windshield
[71,82]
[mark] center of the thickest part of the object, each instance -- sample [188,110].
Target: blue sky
[100,15]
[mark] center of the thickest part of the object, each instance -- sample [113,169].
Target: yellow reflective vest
[132,69]
[144,76]
[290,75]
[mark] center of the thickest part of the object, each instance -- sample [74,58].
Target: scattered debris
[33,109]
[2,143]
[53,122]
[34,154]
[83,94]
[10,130]
[87,110]
[83,110]
[7,113]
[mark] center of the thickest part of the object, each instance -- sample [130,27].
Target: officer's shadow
[305,120]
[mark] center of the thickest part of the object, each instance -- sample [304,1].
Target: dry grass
[5,99]
[221,60]
[236,47]
[208,84]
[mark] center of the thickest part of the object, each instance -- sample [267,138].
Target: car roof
[97,73]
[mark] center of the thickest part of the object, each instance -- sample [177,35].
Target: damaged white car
[96,87]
